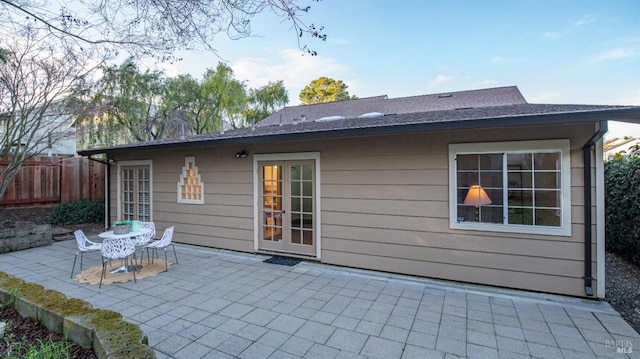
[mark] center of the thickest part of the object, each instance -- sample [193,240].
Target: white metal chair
[114,249]
[163,243]
[84,246]
[144,239]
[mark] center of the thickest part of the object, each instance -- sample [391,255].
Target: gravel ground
[623,288]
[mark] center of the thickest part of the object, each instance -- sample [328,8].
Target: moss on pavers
[103,330]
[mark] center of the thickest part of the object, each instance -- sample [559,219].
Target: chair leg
[104,272]
[81,255]
[74,264]
[134,272]
[174,252]
[166,263]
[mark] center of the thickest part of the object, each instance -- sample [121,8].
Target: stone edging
[16,239]
[104,331]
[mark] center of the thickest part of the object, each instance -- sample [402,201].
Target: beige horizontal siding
[387,192]
[385,206]
[443,270]
[391,212]
[473,242]
[474,257]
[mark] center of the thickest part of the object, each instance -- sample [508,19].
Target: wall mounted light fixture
[241,154]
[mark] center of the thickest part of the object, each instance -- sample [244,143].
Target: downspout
[107,197]
[588,202]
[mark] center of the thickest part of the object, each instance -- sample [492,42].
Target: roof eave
[631,114]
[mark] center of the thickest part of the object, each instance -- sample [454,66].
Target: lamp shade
[477,196]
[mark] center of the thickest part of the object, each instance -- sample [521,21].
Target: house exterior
[623,146]
[55,134]
[474,186]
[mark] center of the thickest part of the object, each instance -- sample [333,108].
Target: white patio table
[109,235]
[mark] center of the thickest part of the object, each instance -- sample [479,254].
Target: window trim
[563,146]
[135,163]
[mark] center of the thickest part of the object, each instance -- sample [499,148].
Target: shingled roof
[442,120]
[499,96]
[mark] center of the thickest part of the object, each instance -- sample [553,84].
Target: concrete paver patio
[222,304]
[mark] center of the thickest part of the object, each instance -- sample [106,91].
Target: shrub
[622,207]
[78,212]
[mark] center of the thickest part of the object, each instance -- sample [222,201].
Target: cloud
[615,54]
[295,69]
[440,80]
[587,19]
[551,35]
[498,60]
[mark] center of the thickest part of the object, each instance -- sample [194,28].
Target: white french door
[287,206]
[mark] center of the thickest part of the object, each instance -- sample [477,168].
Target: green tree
[325,89]
[225,99]
[265,100]
[126,107]
[183,104]
[135,106]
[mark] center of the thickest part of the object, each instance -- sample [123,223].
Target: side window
[511,187]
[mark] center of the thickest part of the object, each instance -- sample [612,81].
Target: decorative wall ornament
[190,186]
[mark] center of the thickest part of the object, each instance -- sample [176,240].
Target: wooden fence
[45,180]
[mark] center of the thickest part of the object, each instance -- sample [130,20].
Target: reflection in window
[523,188]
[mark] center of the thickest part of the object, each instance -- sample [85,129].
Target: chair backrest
[147,237]
[81,240]
[151,226]
[166,237]
[117,248]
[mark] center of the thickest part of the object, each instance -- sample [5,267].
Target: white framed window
[520,187]
[190,186]
[135,190]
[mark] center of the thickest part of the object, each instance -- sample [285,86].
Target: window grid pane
[480,183]
[532,192]
[534,189]
[136,193]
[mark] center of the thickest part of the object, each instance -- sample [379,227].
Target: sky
[555,51]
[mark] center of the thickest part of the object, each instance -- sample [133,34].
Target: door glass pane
[307,221]
[307,172]
[307,237]
[272,203]
[295,188]
[296,236]
[295,220]
[295,173]
[307,189]
[307,205]
[295,204]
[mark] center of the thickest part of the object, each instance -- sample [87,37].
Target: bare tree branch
[36,78]
[155,27]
